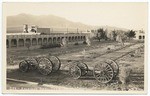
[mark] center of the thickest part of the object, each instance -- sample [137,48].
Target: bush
[108,48]
[45,46]
[84,42]
[76,43]
[124,74]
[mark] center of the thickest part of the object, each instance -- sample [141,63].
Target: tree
[101,34]
[33,30]
[131,34]
[114,35]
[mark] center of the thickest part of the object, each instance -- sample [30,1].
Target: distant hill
[44,20]
[50,21]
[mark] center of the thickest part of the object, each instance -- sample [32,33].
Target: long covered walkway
[15,41]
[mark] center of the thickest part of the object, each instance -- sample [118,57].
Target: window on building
[140,37]
[143,37]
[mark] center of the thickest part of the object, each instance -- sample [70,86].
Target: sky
[124,15]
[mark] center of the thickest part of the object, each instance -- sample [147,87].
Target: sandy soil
[63,78]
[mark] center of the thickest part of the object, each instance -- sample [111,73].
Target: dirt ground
[63,78]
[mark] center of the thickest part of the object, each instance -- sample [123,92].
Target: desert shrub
[45,46]
[76,43]
[10,61]
[108,48]
[84,42]
[124,74]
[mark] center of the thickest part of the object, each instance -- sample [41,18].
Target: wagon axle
[103,72]
[45,65]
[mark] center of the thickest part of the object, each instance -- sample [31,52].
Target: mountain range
[51,21]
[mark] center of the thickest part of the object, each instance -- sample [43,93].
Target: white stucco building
[139,35]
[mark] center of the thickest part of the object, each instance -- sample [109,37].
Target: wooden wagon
[103,70]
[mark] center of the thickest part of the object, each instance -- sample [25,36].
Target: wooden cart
[103,71]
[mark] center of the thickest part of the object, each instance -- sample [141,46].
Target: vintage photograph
[80,47]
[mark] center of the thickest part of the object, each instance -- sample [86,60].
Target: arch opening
[7,43]
[39,41]
[21,43]
[54,40]
[34,41]
[13,43]
[45,41]
[50,40]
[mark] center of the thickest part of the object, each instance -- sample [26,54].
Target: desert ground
[91,55]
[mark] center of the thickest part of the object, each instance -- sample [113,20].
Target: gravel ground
[63,78]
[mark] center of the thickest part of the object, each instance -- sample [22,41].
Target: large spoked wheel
[75,71]
[23,66]
[83,67]
[56,63]
[103,72]
[114,65]
[32,62]
[45,66]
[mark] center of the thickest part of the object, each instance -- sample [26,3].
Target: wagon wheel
[56,63]
[23,66]
[38,58]
[103,72]
[75,71]
[83,67]
[45,66]
[32,62]
[114,65]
